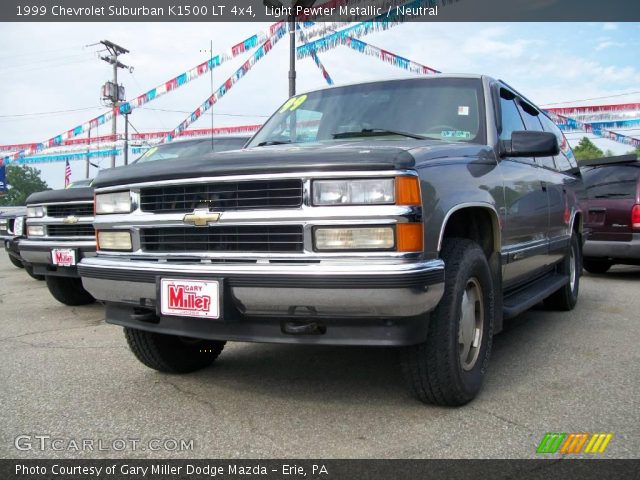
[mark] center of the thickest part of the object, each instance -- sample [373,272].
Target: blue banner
[3,179]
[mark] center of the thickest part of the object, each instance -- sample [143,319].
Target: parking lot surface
[68,375]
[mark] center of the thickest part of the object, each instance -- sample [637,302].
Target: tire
[15,261]
[68,291]
[437,370]
[596,266]
[566,298]
[29,270]
[170,353]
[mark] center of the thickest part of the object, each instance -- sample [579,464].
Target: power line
[53,112]
[588,99]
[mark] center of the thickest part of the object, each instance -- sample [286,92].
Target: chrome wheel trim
[572,269]
[471,324]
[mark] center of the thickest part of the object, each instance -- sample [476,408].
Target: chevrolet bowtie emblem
[70,219]
[201,218]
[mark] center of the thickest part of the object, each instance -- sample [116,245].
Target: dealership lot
[68,375]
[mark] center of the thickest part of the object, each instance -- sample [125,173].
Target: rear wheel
[170,353]
[15,261]
[597,266]
[449,367]
[567,297]
[68,290]
[29,270]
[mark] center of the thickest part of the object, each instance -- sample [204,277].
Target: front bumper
[11,246]
[615,250]
[361,304]
[37,253]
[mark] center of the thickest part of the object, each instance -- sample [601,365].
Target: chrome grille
[70,231]
[223,196]
[75,209]
[249,238]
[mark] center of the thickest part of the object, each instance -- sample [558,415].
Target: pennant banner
[597,131]
[231,81]
[200,132]
[388,57]
[316,59]
[380,23]
[62,157]
[151,95]
[593,109]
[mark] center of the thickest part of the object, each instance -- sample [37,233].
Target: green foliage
[586,150]
[22,181]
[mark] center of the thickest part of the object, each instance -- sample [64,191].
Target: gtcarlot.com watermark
[45,443]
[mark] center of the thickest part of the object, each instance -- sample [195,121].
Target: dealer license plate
[63,257]
[190,298]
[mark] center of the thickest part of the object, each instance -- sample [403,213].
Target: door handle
[543,186]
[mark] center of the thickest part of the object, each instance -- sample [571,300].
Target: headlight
[119,202]
[377,191]
[35,212]
[35,230]
[3,223]
[114,240]
[360,238]
[18,226]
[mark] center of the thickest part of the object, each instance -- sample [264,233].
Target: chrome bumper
[39,251]
[281,290]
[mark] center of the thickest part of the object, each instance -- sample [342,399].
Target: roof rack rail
[596,162]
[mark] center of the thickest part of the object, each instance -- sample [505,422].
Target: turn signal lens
[409,237]
[114,240]
[359,238]
[408,191]
[635,216]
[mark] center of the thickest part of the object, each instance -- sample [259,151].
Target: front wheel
[68,291]
[170,353]
[449,367]
[566,298]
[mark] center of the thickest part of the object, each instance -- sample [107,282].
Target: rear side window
[616,182]
[511,120]
[565,160]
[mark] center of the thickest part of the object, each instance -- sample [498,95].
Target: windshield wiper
[377,132]
[273,142]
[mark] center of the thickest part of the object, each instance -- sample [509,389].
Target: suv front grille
[259,194]
[70,231]
[75,209]
[250,238]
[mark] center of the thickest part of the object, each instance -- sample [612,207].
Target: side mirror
[531,144]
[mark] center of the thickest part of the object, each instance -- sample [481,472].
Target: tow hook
[303,328]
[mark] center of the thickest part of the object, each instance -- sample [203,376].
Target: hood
[369,154]
[62,195]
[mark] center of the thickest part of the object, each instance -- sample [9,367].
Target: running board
[525,298]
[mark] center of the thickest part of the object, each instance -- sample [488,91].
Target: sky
[50,77]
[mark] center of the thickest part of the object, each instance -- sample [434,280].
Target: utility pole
[114,92]
[210,52]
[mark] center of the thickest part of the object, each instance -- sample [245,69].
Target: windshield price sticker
[293,104]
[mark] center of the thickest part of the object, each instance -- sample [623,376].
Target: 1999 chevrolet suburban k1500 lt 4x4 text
[417,213]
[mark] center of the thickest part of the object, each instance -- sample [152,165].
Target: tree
[586,150]
[22,181]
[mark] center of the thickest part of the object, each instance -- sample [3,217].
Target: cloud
[608,44]
[609,26]
[496,41]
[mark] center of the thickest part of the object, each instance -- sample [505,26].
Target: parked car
[60,222]
[417,213]
[613,213]
[11,232]
[59,234]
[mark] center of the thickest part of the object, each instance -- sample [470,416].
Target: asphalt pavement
[67,377]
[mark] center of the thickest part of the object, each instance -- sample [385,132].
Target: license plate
[190,298]
[63,257]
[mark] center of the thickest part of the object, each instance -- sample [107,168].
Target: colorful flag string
[388,57]
[316,58]
[151,95]
[230,82]
[594,109]
[597,131]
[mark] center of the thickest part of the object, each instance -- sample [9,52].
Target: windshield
[192,148]
[448,109]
